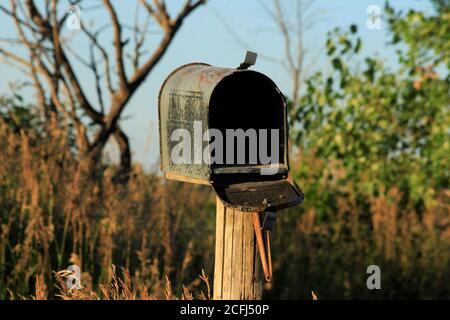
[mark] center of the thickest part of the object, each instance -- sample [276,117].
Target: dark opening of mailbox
[248,101]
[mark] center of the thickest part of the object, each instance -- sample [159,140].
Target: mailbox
[227,128]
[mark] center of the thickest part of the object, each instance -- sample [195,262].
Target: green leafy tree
[372,156]
[389,126]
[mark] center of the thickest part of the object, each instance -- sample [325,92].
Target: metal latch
[268,220]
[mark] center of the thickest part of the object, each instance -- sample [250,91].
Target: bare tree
[292,20]
[118,73]
[293,35]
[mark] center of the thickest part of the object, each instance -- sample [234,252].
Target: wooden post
[237,264]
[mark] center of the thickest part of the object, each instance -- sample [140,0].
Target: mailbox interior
[249,100]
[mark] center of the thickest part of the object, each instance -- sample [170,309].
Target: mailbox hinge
[262,232]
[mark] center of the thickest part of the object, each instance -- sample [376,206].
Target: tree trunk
[236,271]
[123,174]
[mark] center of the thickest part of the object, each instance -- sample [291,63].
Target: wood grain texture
[178,177]
[236,270]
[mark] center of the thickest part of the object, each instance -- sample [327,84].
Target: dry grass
[341,232]
[53,215]
[121,287]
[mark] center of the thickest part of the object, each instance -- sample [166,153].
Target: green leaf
[358,45]
[337,63]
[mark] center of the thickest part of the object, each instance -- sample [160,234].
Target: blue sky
[204,38]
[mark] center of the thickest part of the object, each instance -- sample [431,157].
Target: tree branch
[142,73]
[52,33]
[107,66]
[118,45]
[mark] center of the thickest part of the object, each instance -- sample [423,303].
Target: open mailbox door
[259,196]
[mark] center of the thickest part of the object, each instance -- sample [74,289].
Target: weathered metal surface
[183,99]
[186,97]
[258,196]
[255,169]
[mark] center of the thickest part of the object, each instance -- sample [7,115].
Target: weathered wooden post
[236,270]
[217,127]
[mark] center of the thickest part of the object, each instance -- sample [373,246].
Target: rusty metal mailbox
[227,128]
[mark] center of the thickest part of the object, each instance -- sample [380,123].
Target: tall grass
[328,242]
[52,215]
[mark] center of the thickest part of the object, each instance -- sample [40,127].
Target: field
[369,145]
